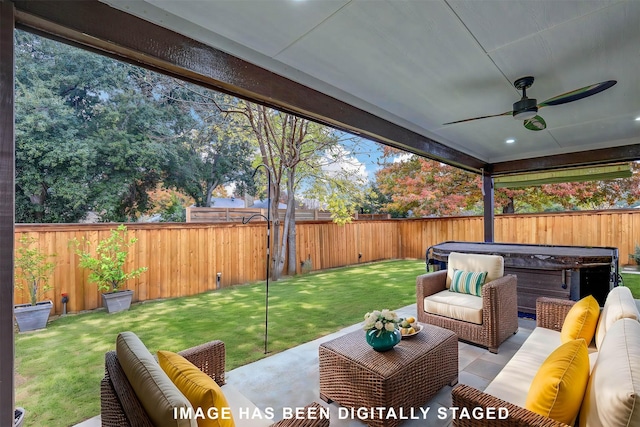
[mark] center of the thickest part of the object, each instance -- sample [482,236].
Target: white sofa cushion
[618,305]
[492,264]
[455,305]
[513,382]
[613,392]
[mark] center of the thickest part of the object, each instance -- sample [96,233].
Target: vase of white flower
[382,329]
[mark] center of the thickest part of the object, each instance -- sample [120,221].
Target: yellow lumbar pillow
[581,320]
[201,390]
[559,385]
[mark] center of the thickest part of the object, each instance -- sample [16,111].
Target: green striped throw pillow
[468,282]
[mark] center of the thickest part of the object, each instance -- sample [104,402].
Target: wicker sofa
[121,406]
[612,396]
[485,320]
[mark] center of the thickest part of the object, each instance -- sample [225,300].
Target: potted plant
[106,266]
[32,273]
[636,256]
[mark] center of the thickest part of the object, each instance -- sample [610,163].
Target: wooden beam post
[7,205]
[489,202]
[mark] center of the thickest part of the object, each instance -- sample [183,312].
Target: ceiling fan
[527,108]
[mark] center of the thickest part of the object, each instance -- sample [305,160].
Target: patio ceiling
[414,65]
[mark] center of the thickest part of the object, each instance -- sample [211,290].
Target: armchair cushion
[468,282]
[492,264]
[559,385]
[465,307]
[201,390]
[581,320]
[158,395]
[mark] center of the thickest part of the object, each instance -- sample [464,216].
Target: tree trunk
[277,257]
[290,223]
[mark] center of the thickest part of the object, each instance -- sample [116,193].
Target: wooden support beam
[7,209]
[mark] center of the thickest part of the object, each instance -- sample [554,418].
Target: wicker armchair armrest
[550,312]
[465,396]
[314,418]
[501,292]
[209,358]
[431,283]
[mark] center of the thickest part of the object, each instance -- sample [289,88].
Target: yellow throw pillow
[581,320]
[559,385]
[206,397]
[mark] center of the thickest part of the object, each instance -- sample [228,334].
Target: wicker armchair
[120,406]
[499,302]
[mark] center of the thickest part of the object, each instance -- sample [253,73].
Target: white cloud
[404,157]
[342,162]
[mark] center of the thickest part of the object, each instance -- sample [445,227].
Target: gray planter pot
[32,317]
[117,301]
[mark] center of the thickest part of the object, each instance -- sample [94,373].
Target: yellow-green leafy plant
[106,263]
[32,269]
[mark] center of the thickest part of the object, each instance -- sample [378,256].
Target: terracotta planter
[117,301]
[32,317]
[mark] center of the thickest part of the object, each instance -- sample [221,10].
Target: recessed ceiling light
[510,141]
[637,119]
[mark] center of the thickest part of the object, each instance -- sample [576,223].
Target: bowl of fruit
[409,327]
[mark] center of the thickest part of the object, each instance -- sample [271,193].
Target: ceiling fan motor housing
[525,109]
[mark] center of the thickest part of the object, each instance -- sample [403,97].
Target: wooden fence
[195,214]
[184,259]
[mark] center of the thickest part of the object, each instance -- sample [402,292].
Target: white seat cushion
[513,382]
[492,264]
[455,305]
[245,413]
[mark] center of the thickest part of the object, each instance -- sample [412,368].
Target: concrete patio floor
[290,379]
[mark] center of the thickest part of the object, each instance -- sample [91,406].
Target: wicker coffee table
[383,387]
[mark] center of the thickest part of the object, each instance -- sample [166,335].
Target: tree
[90,135]
[426,187]
[216,152]
[338,181]
[287,144]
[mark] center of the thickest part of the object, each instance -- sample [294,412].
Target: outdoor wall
[183,259]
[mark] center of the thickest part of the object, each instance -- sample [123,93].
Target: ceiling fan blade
[577,94]
[506,113]
[536,123]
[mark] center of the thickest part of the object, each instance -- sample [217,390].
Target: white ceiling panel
[265,26]
[496,23]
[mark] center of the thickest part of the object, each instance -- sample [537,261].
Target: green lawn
[632,281]
[58,370]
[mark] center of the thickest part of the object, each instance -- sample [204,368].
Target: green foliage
[32,270]
[173,209]
[107,265]
[636,254]
[92,134]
